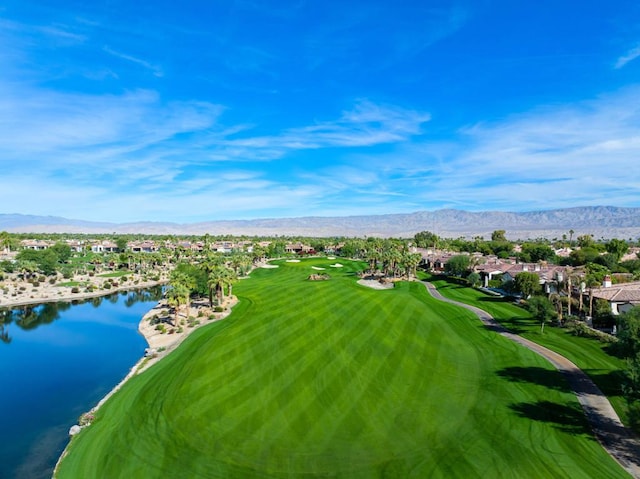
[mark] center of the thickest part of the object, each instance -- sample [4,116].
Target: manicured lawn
[332,379]
[588,354]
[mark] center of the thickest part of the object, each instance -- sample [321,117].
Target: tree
[474,279]
[617,247]
[121,243]
[534,252]
[629,347]
[180,287]
[47,260]
[585,241]
[410,261]
[62,251]
[498,235]
[177,295]
[216,281]
[594,277]
[426,239]
[458,265]
[527,284]
[541,308]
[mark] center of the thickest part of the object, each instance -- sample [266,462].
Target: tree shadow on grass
[494,299]
[514,325]
[609,382]
[549,378]
[565,418]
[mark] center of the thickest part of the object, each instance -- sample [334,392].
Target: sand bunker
[293,261]
[269,266]
[375,284]
[337,265]
[317,268]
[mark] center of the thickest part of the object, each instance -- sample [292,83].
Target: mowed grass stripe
[330,379]
[298,371]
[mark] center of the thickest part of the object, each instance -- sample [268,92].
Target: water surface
[57,360]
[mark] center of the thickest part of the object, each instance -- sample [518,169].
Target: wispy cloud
[628,57]
[367,124]
[582,153]
[157,71]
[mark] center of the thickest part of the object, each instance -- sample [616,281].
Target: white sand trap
[375,284]
[269,266]
[337,265]
[317,268]
[293,261]
[331,257]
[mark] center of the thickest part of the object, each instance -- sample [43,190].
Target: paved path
[617,440]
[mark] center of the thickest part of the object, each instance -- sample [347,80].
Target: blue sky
[189,111]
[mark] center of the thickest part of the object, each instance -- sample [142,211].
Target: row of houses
[621,296]
[150,246]
[145,246]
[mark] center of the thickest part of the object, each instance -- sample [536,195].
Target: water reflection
[30,317]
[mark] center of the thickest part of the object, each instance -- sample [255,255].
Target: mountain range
[599,221]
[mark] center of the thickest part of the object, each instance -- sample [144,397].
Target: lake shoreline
[159,346]
[49,293]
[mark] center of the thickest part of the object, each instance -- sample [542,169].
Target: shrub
[107,286]
[35,284]
[52,280]
[75,289]
[86,419]
[579,328]
[212,316]
[42,279]
[180,329]
[218,309]
[161,328]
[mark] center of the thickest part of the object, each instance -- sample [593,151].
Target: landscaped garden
[330,378]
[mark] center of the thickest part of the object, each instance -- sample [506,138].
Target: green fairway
[332,379]
[587,353]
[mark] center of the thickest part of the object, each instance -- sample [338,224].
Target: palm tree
[178,295]
[180,288]
[216,281]
[411,262]
[230,278]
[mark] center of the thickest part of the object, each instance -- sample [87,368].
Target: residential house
[621,297]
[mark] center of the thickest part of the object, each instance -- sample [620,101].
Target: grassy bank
[333,379]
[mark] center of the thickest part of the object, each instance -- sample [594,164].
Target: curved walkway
[617,440]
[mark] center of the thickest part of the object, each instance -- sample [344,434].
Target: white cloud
[562,155]
[157,71]
[628,57]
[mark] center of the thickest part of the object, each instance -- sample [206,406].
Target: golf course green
[334,379]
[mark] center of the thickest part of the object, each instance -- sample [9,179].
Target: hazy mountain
[600,221]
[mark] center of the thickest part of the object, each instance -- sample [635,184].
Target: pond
[57,361]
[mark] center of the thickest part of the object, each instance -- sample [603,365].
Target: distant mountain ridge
[600,221]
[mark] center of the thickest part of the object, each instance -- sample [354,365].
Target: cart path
[618,441]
